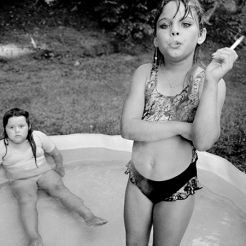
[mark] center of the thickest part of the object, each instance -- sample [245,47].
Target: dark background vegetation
[77,76]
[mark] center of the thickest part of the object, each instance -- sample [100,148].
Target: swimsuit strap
[152,82]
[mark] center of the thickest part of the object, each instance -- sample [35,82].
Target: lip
[175,44]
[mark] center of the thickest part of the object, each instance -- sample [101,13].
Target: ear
[155,42]
[202,36]
[30,126]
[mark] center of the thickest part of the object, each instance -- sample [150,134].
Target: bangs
[192,8]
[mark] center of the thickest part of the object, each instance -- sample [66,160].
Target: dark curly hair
[15,112]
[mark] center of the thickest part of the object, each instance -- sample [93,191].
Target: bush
[133,19]
[129,19]
[228,21]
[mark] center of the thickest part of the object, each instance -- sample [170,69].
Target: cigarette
[237,42]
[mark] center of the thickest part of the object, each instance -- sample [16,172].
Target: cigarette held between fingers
[237,42]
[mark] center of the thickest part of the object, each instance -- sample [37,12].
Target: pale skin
[25,190]
[160,150]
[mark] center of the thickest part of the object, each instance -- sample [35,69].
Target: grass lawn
[75,91]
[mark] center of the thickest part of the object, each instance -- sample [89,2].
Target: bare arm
[206,125]
[58,159]
[133,127]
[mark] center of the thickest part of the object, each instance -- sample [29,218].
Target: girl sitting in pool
[172,109]
[22,152]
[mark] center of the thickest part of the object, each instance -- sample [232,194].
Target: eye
[186,24]
[164,25]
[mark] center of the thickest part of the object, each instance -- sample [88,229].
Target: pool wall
[211,165]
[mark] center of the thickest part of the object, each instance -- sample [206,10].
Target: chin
[18,141]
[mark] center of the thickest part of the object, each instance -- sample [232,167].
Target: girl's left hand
[60,170]
[222,62]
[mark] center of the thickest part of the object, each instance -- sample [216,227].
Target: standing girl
[22,152]
[172,109]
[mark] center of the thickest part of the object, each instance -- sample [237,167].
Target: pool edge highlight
[213,165]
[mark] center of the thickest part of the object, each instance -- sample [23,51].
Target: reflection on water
[216,220]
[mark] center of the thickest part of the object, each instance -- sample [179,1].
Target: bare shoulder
[142,73]
[1,144]
[134,102]
[2,148]
[38,133]
[145,67]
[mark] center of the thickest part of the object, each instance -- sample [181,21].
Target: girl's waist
[21,173]
[162,163]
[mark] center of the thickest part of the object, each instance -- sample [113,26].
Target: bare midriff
[162,160]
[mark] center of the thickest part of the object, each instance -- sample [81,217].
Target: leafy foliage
[228,20]
[128,19]
[133,19]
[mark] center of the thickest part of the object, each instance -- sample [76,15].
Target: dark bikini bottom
[177,188]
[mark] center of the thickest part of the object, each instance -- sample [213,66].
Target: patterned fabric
[181,107]
[188,189]
[148,186]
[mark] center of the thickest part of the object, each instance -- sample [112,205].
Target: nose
[174,30]
[175,33]
[17,129]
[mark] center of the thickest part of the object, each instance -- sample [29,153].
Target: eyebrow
[183,18]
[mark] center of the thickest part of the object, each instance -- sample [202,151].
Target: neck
[173,73]
[179,67]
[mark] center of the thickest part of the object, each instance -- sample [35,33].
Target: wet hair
[16,112]
[191,7]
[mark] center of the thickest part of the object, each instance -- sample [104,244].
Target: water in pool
[216,220]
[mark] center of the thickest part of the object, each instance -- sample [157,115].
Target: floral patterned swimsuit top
[181,107]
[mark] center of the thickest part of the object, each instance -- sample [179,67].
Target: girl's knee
[57,188]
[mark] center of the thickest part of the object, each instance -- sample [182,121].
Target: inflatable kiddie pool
[95,166]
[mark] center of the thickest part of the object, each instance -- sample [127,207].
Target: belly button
[151,164]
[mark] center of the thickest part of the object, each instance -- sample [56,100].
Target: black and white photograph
[123,123]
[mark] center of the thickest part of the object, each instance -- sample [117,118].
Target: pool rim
[212,163]
[230,184]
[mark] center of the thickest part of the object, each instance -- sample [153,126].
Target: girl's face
[17,129]
[177,36]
